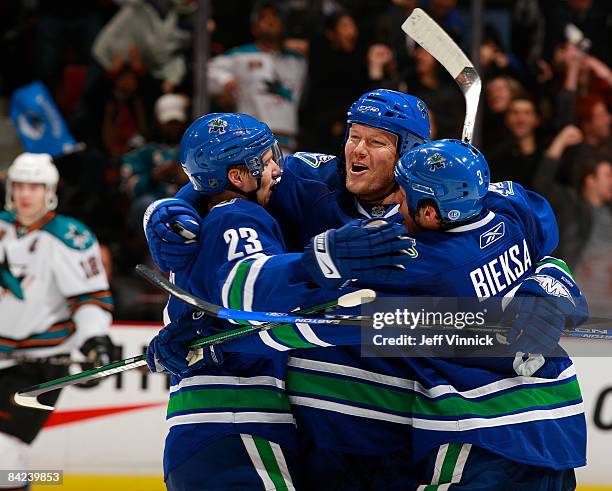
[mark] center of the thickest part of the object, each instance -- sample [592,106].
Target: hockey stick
[425,31]
[213,310]
[28,397]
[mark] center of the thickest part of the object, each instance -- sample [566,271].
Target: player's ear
[429,217]
[235,178]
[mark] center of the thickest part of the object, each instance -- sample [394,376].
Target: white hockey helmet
[37,168]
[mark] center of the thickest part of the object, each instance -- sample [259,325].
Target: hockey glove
[366,250]
[98,351]
[172,228]
[168,350]
[542,307]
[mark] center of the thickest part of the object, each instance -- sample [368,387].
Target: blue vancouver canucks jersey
[241,248]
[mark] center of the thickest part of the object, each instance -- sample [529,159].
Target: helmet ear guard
[35,168]
[453,174]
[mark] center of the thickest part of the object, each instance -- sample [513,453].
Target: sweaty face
[268,179]
[370,155]
[30,202]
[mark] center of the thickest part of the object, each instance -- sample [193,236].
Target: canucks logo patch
[314,160]
[422,108]
[492,235]
[504,188]
[436,161]
[217,125]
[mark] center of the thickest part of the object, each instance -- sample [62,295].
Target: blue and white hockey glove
[168,350]
[543,306]
[172,228]
[366,250]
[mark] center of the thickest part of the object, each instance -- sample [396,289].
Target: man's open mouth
[358,168]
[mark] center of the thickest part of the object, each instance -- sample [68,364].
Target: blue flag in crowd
[40,125]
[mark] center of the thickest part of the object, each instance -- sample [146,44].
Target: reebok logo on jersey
[492,235]
[553,287]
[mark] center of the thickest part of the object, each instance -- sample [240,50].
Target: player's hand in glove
[172,228]
[168,350]
[366,250]
[542,307]
[98,351]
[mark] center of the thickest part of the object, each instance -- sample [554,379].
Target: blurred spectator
[515,158]
[582,74]
[124,122]
[591,17]
[436,87]
[331,92]
[262,79]
[594,120]
[581,211]
[528,30]
[445,13]
[499,93]
[152,27]
[63,28]
[494,60]
[152,171]
[389,30]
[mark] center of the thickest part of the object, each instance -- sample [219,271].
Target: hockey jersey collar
[383,211]
[24,230]
[473,225]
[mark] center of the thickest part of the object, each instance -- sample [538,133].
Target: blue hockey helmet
[453,174]
[405,115]
[217,141]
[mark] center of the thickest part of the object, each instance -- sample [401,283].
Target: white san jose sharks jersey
[48,271]
[270,86]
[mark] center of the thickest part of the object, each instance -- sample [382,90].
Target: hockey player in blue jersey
[301,364]
[537,436]
[230,423]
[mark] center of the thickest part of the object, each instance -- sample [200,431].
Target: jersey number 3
[233,236]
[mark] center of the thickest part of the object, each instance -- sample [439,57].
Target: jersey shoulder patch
[70,231]
[7,216]
[314,160]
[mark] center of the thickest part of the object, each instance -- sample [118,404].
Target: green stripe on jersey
[269,460]
[191,400]
[556,262]
[288,334]
[521,398]
[450,462]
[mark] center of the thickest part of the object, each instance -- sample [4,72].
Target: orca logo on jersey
[553,287]
[492,235]
[314,160]
[504,188]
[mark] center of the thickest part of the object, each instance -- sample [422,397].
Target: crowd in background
[122,71]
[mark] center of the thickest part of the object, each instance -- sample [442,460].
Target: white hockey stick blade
[359,297]
[30,401]
[426,32]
